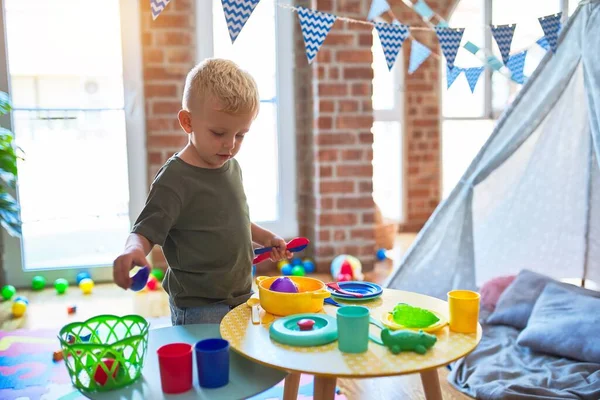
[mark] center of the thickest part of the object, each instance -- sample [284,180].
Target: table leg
[324,388]
[290,387]
[431,384]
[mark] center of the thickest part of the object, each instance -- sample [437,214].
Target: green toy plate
[286,330]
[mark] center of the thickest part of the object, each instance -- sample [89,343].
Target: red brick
[166,107]
[326,106]
[354,170]
[160,73]
[326,203]
[334,73]
[365,39]
[362,89]
[171,20]
[327,155]
[167,141]
[336,187]
[362,234]
[346,219]
[333,89]
[362,73]
[184,56]
[365,187]
[153,56]
[160,90]
[325,251]
[331,139]
[354,122]
[355,202]
[351,155]
[325,123]
[354,56]
[323,56]
[155,158]
[324,235]
[157,125]
[171,38]
[339,235]
[338,38]
[325,171]
[348,105]
[366,138]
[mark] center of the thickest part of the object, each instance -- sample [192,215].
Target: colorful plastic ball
[381,254]
[282,263]
[152,283]
[19,308]
[158,273]
[83,275]
[287,269]
[296,261]
[38,282]
[284,285]
[8,292]
[309,266]
[355,264]
[86,285]
[344,278]
[61,285]
[298,270]
[23,299]
[100,376]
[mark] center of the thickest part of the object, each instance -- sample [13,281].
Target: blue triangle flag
[503,34]
[315,27]
[472,75]
[378,7]
[449,39]
[157,7]
[543,43]
[418,54]
[452,74]
[515,64]
[391,37]
[237,13]
[551,25]
[423,10]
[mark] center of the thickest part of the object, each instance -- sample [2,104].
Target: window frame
[286,224]
[135,126]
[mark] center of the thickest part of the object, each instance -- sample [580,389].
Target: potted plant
[10,218]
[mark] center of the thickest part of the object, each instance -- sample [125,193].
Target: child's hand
[279,251]
[132,257]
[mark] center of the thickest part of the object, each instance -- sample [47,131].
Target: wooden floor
[47,310]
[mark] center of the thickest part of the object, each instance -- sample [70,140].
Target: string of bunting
[315,26]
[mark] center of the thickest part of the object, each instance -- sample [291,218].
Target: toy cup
[212,362]
[353,329]
[175,365]
[464,310]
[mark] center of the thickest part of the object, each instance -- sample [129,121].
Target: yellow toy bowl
[309,299]
[388,320]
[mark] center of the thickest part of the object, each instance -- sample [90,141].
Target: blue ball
[287,269]
[309,266]
[296,261]
[381,254]
[23,299]
[83,275]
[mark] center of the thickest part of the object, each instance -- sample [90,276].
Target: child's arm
[137,248]
[266,238]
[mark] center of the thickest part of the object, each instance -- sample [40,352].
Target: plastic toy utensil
[139,280]
[253,303]
[284,285]
[295,245]
[338,289]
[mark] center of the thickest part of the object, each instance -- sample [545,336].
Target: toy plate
[286,331]
[368,290]
[388,320]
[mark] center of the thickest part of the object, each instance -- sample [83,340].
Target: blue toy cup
[212,362]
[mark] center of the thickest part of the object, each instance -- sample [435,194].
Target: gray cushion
[564,323]
[516,302]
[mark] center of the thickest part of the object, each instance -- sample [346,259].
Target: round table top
[246,378]
[253,341]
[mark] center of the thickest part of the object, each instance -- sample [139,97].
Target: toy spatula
[295,245]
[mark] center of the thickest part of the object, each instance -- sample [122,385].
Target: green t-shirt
[200,217]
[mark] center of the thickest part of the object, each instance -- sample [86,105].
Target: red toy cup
[175,365]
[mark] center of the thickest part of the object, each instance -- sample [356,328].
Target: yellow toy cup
[464,310]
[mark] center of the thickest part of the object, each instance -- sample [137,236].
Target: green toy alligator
[407,340]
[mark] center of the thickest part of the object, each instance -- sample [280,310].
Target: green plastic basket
[105,352]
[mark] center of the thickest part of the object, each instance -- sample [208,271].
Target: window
[387,134]
[469,118]
[83,177]
[264,48]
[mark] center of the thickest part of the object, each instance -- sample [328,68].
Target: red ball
[306,324]
[100,375]
[152,283]
[344,278]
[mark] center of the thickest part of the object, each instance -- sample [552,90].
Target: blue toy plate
[369,290]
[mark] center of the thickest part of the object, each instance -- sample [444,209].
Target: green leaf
[5,105]
[413,317]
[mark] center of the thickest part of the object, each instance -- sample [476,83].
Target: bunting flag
[504,36]
[237,13]
[423,10]
[449,39]
[516,64]
[418,54]
[315,27]
[551,25]
[378,7]
[391,37]
[473,75]
[157,7]
[452,74]
[543,43]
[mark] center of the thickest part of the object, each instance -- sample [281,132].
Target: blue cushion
[564,323]
[516,302]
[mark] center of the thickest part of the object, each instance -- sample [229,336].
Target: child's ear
[185,120]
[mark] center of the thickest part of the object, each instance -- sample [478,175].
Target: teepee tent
[531,197]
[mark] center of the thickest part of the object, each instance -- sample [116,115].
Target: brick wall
[334,120]
[168,48]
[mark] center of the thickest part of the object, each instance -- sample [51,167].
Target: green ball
[298,270]
[61,285]
[38,282]
[8,291]
[158,274]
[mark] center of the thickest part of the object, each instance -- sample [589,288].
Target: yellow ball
[19,308]
[86,285]
[282,263]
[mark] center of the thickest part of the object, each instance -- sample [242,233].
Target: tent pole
[588,212]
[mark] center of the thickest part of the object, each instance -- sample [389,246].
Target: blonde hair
[226,82]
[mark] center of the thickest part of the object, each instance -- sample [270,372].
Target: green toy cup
[353,329]
[105,352]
